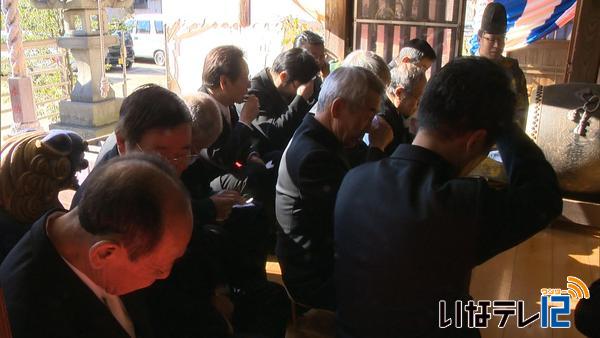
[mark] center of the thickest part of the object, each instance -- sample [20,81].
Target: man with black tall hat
[491,38]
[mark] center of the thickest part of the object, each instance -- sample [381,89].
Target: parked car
[113,57]
[148,32]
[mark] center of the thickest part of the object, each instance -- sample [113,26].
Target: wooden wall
[543,62]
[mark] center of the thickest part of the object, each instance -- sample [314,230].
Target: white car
[148,33]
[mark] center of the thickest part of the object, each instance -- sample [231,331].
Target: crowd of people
[169,234]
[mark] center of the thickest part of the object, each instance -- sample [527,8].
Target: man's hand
[254,158]
[380,134]
[223,201]
[306,90]
[250,110]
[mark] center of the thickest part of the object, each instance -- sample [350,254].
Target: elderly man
[418,229]
[72,274]
[417,52]
[376,150]
[155,120]
[402,100]
[311,170]
[491,37]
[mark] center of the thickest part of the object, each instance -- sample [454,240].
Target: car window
[158,27]
[143,26]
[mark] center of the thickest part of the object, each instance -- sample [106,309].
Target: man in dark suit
[418,228]
[74,273]
[284,92]
[225,78]
[310,173]
[401,102]
[315,46]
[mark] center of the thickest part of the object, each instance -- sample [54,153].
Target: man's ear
[223,82]
[338,107]
[283,77]
[121,148]
[398,91]
[477,143]
[103,252]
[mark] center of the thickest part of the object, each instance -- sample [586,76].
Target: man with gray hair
[311,170]
[400,105]
[417,52]
[371,61]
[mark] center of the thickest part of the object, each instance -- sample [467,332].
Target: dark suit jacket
[278,118]
[233,144]
[45,298]
[401,135]
[11,232]
[310,174]
[408,232]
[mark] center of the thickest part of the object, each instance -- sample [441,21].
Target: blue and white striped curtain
[529,20]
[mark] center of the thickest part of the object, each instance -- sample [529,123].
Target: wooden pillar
[244,13]
[338,26]
[584,50]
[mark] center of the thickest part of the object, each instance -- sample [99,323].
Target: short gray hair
[405,75]
[414,55]
[370,61]
[207,123]
[351,84]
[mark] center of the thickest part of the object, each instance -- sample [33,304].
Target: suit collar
[69,291]
[325,136]
[269,85]
[419,154]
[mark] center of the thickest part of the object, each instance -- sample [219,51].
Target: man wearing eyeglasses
[492,36]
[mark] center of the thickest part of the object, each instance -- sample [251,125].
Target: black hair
[125,197]
[467,94]
[423,47]
[298,63]
[308,38]
[222,60]
[150,106]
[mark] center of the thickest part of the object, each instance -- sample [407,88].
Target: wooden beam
[244,13]
[338,26]
[584,50]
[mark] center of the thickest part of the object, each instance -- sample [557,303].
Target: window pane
[140,4]
[409,10]
[143,27]
[158,27]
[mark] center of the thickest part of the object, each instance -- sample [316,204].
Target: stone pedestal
[89,119]
[87,112]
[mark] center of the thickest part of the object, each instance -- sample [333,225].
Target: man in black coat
[409,229]
[225,78]
[311,170]
[285,92]
[401,102]
[74,273]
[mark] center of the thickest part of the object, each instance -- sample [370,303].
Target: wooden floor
[543,261]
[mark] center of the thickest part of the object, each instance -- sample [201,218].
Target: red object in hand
[237,164]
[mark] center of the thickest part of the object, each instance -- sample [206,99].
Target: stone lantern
[87,112]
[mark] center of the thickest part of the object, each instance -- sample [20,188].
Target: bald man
[73,273]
